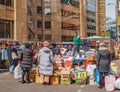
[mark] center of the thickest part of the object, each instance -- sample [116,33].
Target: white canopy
[95,37]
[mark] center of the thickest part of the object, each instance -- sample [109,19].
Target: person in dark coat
[56,50]
[26,62]
[9,54]
[103,61]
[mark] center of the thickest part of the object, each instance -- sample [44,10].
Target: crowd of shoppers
[28,54]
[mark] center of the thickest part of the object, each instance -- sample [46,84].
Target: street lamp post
[116,38]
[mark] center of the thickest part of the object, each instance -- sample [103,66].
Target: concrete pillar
[56,20]
[20,20]
[83,18]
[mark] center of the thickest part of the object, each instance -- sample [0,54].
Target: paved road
[8,84]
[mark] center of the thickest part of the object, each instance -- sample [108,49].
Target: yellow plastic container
[37,79]
[65,81]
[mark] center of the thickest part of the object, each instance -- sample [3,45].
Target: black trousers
[26,74]
[76,49]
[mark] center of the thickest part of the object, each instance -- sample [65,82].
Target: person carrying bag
[103,61]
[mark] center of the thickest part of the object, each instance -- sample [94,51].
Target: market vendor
[77,43]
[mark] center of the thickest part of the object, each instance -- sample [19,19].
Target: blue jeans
[11,68]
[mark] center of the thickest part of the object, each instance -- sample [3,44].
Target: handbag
[97,73]
[17,72]
[97,76]
[14,56]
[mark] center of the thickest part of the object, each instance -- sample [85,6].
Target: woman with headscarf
[103,61]
[46,60]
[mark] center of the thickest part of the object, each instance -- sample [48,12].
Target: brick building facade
[52,20]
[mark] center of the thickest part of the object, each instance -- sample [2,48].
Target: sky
[110,9]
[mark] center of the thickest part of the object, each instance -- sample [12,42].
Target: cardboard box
[80,81]
[65,77]
[55,78]
[90,58]
[55,66]
[65,81]
[57,72]
[37,79]
[81,75]
[37,76]
[65,74]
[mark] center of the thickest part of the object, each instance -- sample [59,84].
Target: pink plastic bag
[109,83]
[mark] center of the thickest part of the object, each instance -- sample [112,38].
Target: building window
[72,2]
[47,25]
[102,24]
[39,24]
[90,5]
[67,38]
[6,29]
[40,37]
[6,2]
[47,11]
[91,27]
[29,10]
[2,2]
[48,37]
[91,12]
[64,1]
[39,9]
[90,34]
[91,19]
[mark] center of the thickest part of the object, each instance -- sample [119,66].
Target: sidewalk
[9,84]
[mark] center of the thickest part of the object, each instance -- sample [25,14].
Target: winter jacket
[103,60]
[45,57]
[4,55]
[77,41]
[26,58]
